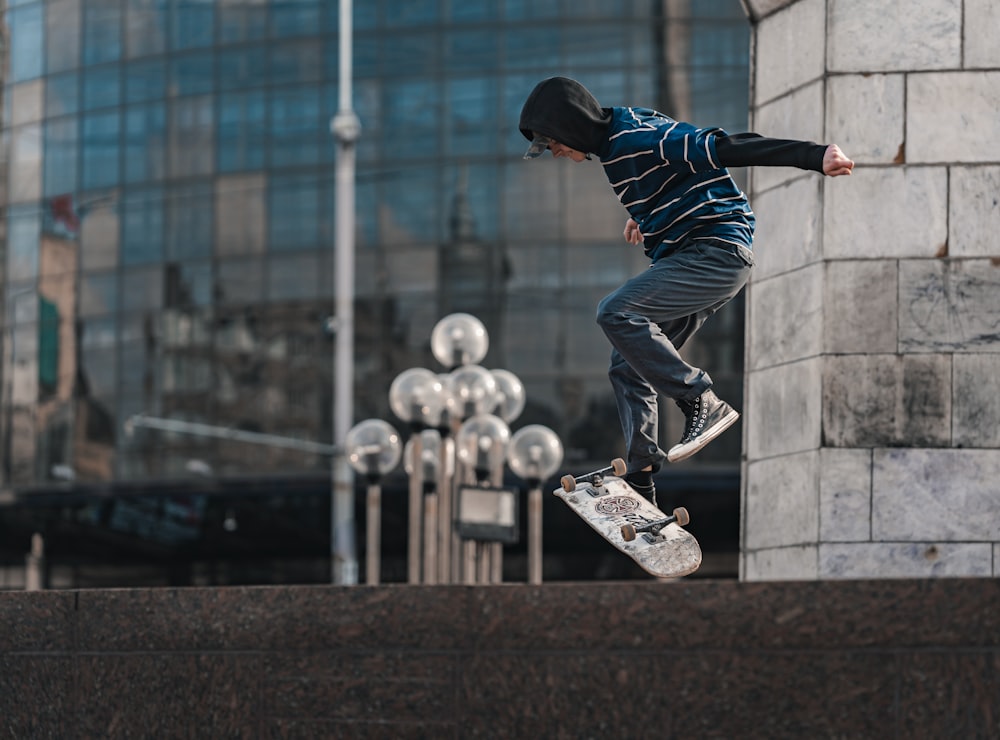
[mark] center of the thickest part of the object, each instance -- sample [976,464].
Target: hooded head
[564,110]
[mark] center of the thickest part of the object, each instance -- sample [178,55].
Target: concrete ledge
[880,658]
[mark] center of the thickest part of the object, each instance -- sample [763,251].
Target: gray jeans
[649,318]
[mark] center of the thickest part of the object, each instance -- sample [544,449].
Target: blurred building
[166,235]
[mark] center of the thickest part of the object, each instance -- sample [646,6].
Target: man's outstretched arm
[750,150]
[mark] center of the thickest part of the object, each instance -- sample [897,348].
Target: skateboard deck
[654,540]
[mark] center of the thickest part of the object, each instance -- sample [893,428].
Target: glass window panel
[412,13]
[145,142]
[25,174]
[187,285]
[243,131]
[533,46]
[101,154]
[295,17]
[367,107]
[98,296]
[97,367]
[102,31]
[526,9]
[99,230]
[62,35]
[471,50]
[242,68]
[190,137]
[240,214]
[191,74]
[411,55]
[365,16]
[193,23]
[61,149]
[604,45]
[297,62]
[142,226]
[472,116]
[418,102]
[240,281]
[101,87]
[145,80]
[189,221]
[26,102]
[294,212]
[295,126]
[25,35]
[411,206]
[62,95]
[146,23]
[141,289]
[293,278]
[464,12]
[242,20]
[23,226]
[472,193]
[366,57]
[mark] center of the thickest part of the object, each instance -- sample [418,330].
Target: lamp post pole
[346,128]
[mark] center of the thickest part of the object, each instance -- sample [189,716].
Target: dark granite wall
[878,659]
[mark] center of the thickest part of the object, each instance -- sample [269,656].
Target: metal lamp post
[373,450]
[535,453]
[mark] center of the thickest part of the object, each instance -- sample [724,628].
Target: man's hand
[835,162]
[632,233]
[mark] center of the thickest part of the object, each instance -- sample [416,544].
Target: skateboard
[658,543]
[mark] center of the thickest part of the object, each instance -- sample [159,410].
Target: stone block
[949,306]
[788,53]
[865,116]
[894,35]
[886,212]
[926,559]
[932,495]
[782,502]
[757,9]
[788,227]
[887,400]
[786,317]
[951,115]
[982,21]
[976,404]
[783,409]
[781,564]
[845,495]
[974,211]
[859,306]
[798,115]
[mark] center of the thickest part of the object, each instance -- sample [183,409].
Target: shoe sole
[676,455]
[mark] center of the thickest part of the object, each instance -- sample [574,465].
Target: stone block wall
[872,425]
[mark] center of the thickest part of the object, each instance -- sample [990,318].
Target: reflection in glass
[243,130]
[62,35]
[25,34]
[100,140]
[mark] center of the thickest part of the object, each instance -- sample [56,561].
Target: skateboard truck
[680,515]
[596,478]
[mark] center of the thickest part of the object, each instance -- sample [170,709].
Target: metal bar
[238,435]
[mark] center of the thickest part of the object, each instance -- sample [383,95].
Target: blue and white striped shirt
[668,177]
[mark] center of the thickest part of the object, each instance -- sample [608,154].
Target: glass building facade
[167,220]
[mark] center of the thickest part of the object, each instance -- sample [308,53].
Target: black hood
[564,110]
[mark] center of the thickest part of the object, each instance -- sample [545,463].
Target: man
[695,225]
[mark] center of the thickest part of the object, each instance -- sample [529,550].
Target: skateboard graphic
[658,543]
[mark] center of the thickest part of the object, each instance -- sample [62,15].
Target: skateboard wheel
[568,483]
[628,532]
[682,515]
[618,466]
